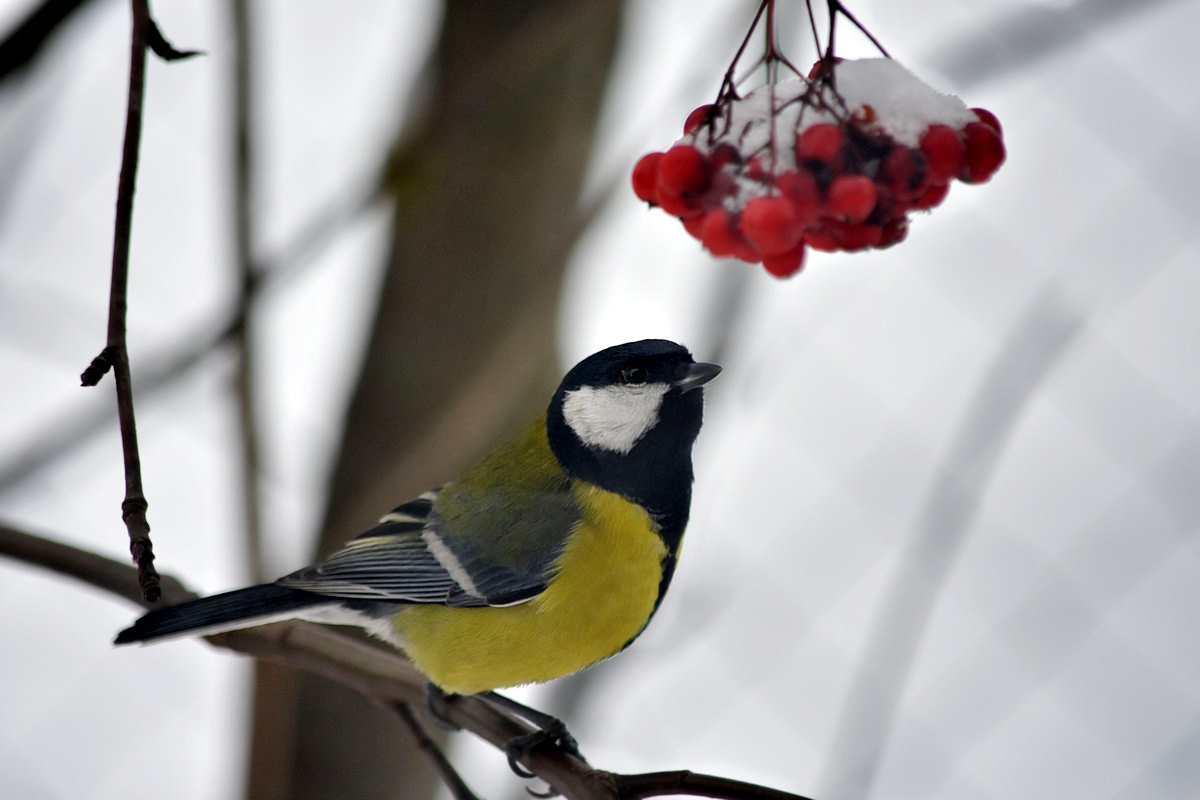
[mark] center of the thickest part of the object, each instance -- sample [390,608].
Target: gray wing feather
[393,561]
[398,567]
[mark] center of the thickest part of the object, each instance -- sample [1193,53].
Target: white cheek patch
[613,418]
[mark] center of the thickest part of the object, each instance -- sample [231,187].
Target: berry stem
[728,89]
[772,75]
[773,54]
[836,7]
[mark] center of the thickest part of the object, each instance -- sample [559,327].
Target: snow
[903,105]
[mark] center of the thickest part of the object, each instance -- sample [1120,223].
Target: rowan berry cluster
[834,162]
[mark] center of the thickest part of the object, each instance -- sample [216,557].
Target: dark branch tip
[148,577]
[159,45]
[151,593]
[100,365]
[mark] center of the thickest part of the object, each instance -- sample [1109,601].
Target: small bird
[548,555]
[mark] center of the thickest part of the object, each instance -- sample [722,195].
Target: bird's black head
[625,419]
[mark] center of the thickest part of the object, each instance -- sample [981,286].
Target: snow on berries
[835,162]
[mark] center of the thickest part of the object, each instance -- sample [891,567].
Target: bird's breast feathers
[605,587]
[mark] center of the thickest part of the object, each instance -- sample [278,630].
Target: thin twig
[836,5]
[247,282]
[115,354]
[159,45]
[812,24]
[27,39]
[685,782]
[728,85]
[454,782]
[832,5]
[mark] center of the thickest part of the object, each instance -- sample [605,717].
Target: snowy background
[966,468]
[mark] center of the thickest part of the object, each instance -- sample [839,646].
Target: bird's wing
[414,555]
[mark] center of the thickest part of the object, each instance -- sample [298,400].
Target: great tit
[548,555]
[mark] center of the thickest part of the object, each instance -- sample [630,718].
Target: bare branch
[159,45]
[247,282]
[31,35]
[685,782]
[454,782]
[115,355]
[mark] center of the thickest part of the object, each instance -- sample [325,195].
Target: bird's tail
[241,608]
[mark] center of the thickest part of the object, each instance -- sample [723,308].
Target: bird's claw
[435,701]
[554,735]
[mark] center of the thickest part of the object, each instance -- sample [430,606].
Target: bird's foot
[554,734]
[435,701]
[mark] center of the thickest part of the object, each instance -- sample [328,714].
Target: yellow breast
[603,592]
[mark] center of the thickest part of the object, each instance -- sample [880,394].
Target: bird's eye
[633,376]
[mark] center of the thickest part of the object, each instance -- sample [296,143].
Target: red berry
[723,154]
[800,186]
[945,152]
[678,205]
[786,264]
[821,241]
[894,232]
[682,170]
[697,116]
[933,196]
[756,169]
[746,252]
[904,172]
[886,204]
[852,237]
[693,226]
[851,197]
[985,152]
[645,176]
[822,142]
[824,65]
[989,119]
[770,224]
[863,115]
[718,234]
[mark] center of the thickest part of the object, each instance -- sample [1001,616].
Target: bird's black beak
[697,375]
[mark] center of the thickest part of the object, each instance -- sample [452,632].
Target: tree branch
[115,355]
[29,36]
[656,784]
[425,743]
[247,282]
[384,676]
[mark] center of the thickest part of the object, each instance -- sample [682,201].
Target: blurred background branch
[463,343]
[26,40]
[1038,340]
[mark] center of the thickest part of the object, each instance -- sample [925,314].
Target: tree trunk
[462,350]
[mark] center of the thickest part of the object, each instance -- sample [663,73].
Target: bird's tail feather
[241,608]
